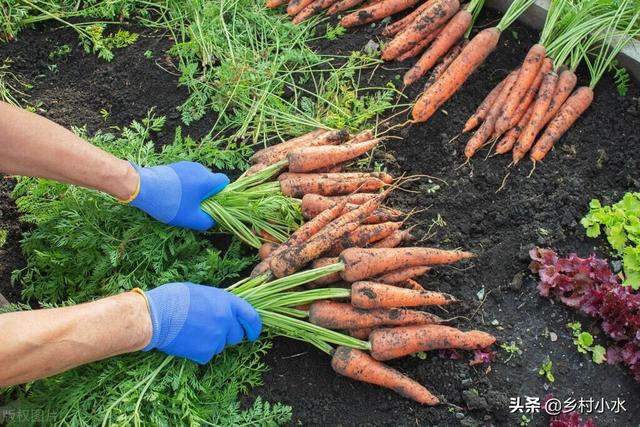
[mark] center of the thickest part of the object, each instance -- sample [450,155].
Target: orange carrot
[275,153]
[403,274]
[394,240]
[339,315]
[362,236]
[358,365]
[266,249]
[384,177]
[484,107]
[376,12]
[424,23]
[416,49]
[538,112]
[328,279]
[361,334]
[400,24]
[312,9]
[313,204]
[371,262]
[295,6]
[299,186]
[387,344]
[528,72]
[448,37]
[267,237]
[377,295]
[460,69]
[570,111]
[308,159]
[383,214]
[567,81]
[342,5]
[272,4]
[486,128]
[509,139]
[446,61]
[254,169]
[410,284]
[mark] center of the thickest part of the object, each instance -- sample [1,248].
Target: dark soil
[597,159]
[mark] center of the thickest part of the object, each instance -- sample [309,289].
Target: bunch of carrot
[537,97]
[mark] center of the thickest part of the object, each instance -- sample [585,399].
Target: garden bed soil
[598,158]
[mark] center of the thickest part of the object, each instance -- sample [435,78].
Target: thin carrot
[427,21]
[570,111]
[387,344]
[538,112]
[272,4]
[308,159]
[509,139]
[446,61]
[410,284]
[376,12]
[400,24]
[567,81]
[377,295]
[371,262]
[342,5]
[312,9]
[385,177]
[420,46]
[483,109]
[313,204]
[328,279]
[275,153]
[394,240]
[528,72]
[361,334]
[339,315]
[254,169]
[295,6]
[266,249]
[362,236]
[358,365]
[299,186]
[403,274]
[447,38]
[462,67]
[383,214]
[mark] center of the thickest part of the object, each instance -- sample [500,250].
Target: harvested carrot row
[394,240]
[359,366]
[308,159]
[387,344]
[509,139]
[446,61]
[338,315]
[342,5]
[376,12]
[362,236]
[397,26]
[377,295]
[363,263]
[424,23]
[403,274]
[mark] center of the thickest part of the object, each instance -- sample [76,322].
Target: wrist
[126,182]
[141,319]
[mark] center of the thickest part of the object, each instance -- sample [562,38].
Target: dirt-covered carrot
[383,176]
[483,109]
[447,38]
[254,169]
[395,239]
[313,204]
[376,12]
[400,24]
[387,344]
[275,153]
[362,236]
[527,74]
[358,365]
[343,5]
[378,295]
[312,9]
[570,111]
[272,4]
[339,315]
[410,284]
[416,49]
[266,249]
[295,6]
[361,334]
[384,214]
[403,274]
[446,61]
[370,262]
[567,81]
[328,279]
[427,21]
[308,159]
[506,143]
[317,184]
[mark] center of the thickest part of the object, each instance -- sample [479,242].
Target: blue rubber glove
[198,322]
[172,194]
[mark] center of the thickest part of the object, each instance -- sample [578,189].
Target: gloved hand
[197,322]
[172,194]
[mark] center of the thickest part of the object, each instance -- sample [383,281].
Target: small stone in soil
[474,400]
[516,282]
[553,336]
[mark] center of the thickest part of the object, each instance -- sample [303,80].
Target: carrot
[308,159]
[416,49]
[266,249]
[403,274]
[328,279]
[483,109]
[394,240]
[447,38]
[340,315]
[358,365]
[377,295]
[254,169]
[410,284]
[312,9]
[432,17]
[267,237]
[295,257]
[364,263]
[445,62]
[295,6]
[371,3]
[298,187]
[313,204]
[528,72]
[398,25]
[361,334]
[331,169]
[342,5]
[275,153]
[362,236]
[567,81]
[528,99]
[385,177]
[538,112]
[486,128]
[460,69]
[509,139]
[272,4]
[570,111]
[383,214]
[376,12]
[387,344]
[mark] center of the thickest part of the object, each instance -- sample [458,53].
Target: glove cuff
[137,190]
[168,312]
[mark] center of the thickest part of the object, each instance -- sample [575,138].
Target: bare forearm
[32,145]
[36,344]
